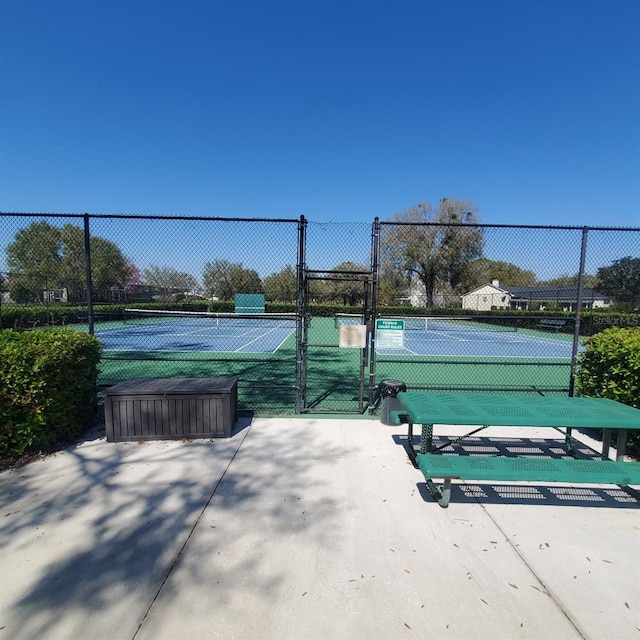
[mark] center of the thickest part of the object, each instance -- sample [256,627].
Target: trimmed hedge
[610,368]
[48,386]
[17,316]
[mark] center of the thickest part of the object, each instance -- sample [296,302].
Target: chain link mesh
[161,263]
[500,307]
[481,306]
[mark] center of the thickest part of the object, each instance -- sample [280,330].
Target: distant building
[487,297]
[493,296]
[55,295]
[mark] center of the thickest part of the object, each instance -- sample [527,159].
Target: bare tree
[168,281]
[223,279]
[434,245]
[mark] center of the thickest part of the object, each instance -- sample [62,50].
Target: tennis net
[206,319]
[466,324]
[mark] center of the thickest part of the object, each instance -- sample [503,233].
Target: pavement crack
[539,580]
[189,535]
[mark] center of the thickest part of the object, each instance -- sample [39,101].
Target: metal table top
[518,410]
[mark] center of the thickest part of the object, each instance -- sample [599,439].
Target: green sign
[390,325]
[390,334]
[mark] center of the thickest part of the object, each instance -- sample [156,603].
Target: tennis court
[261,351]
[463,353]
[462,337]
[144,331]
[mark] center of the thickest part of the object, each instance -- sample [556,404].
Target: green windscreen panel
[249,303]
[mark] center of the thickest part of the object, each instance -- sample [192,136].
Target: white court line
[403,351]
[233,336]
[282,342]
[531,360]
[259,338]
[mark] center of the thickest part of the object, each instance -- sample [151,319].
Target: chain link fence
[341,307]
[192,267]
[504,308]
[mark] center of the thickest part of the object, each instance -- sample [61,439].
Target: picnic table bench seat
[522,469]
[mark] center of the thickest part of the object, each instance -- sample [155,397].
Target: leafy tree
[621,281]
[35,259]
[436,248]
[281,286]
[392,285]
[44,256]
[167,281]
[21,292]
[223,279]
[482,271]
[108,266]
[344,288]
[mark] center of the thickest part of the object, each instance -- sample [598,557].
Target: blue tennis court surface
[197,334]
[483,343]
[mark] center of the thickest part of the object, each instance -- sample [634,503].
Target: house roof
[554,293]
[490,286]
[568,294]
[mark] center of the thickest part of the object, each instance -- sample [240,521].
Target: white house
[493,296]
[487,297]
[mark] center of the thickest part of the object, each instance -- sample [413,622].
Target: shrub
[48,386]
[610,368]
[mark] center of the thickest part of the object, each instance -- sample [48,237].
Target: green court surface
[267,380]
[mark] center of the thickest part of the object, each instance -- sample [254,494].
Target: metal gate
[334,348]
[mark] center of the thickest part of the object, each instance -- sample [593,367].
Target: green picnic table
[482,410]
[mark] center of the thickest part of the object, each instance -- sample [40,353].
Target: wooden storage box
[171,408]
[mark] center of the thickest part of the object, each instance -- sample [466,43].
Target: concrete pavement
[305,528]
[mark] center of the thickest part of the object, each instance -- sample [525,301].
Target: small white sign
[353,336]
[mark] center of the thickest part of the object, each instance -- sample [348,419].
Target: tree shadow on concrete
[91,534]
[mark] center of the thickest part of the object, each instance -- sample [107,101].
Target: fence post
[87,266]
[302,320]
[576,330]
[373,309]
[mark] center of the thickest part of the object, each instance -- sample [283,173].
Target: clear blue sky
[338,110]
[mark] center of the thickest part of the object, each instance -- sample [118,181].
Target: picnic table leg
[445,493]
[606,442]
[426,439]
[568,440]
[411,452]
[621,445]
[426,442]
[442,493]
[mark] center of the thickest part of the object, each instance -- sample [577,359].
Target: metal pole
[87,266]
[302,320]
[373,309]
[576,331]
